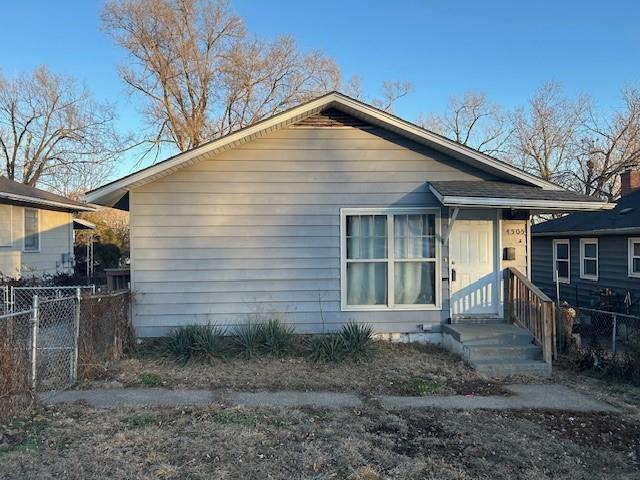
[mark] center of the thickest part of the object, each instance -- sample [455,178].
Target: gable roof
[511,195]
[624,218]
[18,193]
[111,193]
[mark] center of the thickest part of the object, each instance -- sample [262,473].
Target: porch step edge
[507,368]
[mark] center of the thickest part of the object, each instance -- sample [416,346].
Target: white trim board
[630,257]
[529,204]
[390,260]
[586,276]
[567,242]
[110,193]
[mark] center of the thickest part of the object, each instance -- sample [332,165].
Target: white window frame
[390,260]
[631,256]
[562,241]
[586,276]
[9,244]
[24,231]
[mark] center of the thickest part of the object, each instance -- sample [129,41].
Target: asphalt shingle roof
[626,215]
[493,189]
[10,187]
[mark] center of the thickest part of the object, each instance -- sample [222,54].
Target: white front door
[474,281]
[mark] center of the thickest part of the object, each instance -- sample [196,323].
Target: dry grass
[76,442]
[15,365]
[105,332]
[397,369]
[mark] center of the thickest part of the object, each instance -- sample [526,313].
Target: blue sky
[505,48]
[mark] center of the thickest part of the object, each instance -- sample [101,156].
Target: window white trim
[631,256]
[556,242]
[583,257]
[390,260]
[10,241]
[24,231]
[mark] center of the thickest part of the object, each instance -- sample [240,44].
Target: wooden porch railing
[530,308]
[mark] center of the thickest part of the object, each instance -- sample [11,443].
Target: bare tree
[545,133]
[201,76]
[52,132]
[391,91]
[261,79]
[609,146]
[474,121]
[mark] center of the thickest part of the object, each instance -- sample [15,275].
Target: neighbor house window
[634,257]
[589,258]
[6,226]
[31,230]
[561,261]
[390,259]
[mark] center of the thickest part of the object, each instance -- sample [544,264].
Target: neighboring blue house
[596,254]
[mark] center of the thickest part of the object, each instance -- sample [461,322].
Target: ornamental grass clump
[358,341]
[248,338]
[277,338]
[195,342]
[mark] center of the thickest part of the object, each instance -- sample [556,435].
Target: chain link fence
[593,328]
[21,298]
[106,333]
[4,299]
[58,340]
[16,362]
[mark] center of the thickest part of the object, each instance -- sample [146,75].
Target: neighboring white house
[329,212]
[36,231]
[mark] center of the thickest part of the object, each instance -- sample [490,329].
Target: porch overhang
[492,194]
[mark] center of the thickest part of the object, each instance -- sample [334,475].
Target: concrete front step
[499,334]
[496,350]
[474,353]
[508,368]
[475,320]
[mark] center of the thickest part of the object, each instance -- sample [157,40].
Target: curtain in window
[414,240]
[366,240]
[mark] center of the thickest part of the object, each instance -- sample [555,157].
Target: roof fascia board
[582,233]
[456,201]
[39,201]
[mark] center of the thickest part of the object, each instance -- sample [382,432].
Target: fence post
[614,333]
[34,341]
[74,364]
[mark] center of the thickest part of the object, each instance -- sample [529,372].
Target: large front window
[390,259]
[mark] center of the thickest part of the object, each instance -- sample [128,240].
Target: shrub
[277,338]
[622,366]
[248,338]
[358,340]
[326,348]
[195,342]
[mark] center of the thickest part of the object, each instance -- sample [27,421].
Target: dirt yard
[76,442]
[397,369]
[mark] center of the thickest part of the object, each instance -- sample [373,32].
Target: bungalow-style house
[36,231]
[596,254]
[329,212]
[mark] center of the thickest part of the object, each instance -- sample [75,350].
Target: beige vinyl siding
[254,232]
[56,239]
